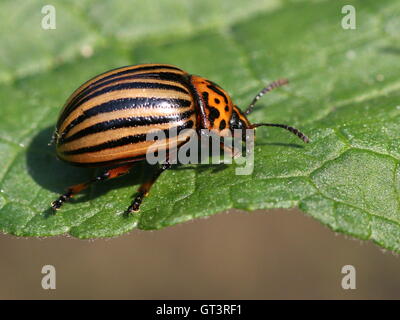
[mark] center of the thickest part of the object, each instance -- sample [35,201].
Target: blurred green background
[260,255]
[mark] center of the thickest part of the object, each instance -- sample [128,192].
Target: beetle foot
[135,206]
[56,205]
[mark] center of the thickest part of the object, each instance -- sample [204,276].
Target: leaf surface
[343,93]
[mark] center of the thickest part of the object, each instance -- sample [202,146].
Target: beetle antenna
[271,86]
[295,131]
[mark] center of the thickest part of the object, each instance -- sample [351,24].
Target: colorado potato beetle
[105,121]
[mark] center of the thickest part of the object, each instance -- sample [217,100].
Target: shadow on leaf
[56,176]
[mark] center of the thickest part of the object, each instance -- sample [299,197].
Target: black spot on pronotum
[217,101]
[222,125]
[217,91]
[226,108]
[205,98]
[214,114]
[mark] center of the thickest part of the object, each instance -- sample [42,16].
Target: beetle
[105,121]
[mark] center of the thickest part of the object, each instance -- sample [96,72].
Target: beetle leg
[145,188]
[231,151]
[109,174]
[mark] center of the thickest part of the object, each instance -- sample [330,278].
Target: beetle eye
[235,122]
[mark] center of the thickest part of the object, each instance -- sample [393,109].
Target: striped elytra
[105,121]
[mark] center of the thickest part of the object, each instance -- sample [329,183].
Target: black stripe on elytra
[121,86]
[126,103]
[217,91]
[128,140]
[105,83]
[125,123]
[134,70]
[103,76]
[169,76]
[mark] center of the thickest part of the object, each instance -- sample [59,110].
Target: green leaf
[343,93]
